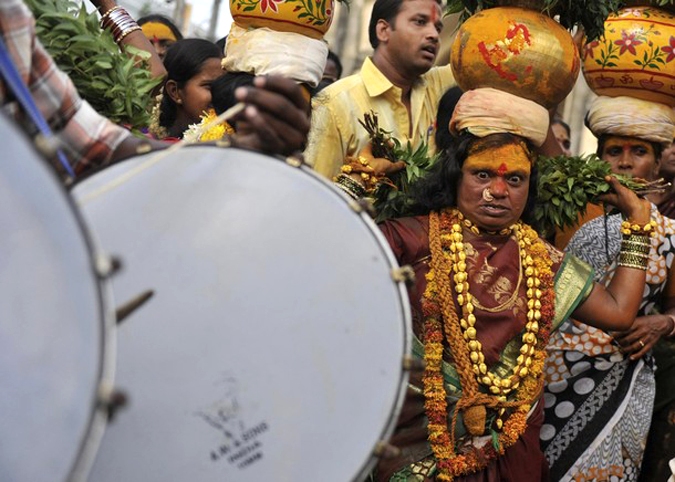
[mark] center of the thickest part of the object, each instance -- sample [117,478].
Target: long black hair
[183,60]
[439,188]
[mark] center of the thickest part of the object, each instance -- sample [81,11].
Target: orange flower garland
[438,306]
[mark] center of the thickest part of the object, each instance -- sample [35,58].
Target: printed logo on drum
[241,446]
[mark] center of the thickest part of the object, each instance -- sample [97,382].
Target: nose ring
[487,195]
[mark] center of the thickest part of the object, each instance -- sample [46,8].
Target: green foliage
[566,185]
[590,14]
[112,81]
[393,200]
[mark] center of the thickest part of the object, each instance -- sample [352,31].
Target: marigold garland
[194,132]
[524,386]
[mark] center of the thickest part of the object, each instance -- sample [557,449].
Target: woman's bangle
[628,227]
[672,331]
[118,21]
[350,186]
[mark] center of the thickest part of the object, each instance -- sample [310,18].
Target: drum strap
[14,81]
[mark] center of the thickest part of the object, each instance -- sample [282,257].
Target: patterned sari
[598,403]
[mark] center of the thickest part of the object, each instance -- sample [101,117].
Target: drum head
[272,348]
[54,349]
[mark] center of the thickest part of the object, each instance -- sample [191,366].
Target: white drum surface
[54,313]
[272,348]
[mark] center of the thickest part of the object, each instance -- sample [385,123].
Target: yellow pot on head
[305,17]
[636,56]
[517,50]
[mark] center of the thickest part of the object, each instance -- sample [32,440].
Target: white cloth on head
[488,111]
[262,51]
[630,117]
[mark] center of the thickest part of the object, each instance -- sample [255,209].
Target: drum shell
[263,304]
[57,335]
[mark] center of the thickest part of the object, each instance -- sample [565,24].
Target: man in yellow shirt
[398,83]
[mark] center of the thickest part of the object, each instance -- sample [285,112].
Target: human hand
[633,207]
[275,120]
[380,165]
[643,334]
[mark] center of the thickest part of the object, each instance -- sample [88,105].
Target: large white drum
[272,348]
[56,325]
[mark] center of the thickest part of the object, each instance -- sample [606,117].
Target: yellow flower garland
[523,386]
[194,132]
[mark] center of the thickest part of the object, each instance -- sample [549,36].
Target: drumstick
[224,117]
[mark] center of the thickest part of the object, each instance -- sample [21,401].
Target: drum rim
[97,416]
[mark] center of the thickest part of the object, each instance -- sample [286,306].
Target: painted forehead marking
[502,169]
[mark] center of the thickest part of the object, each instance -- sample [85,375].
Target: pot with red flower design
[517,50]
[636,57]
[306,17]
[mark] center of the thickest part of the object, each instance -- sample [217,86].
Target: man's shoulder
[440,76]
[340,90]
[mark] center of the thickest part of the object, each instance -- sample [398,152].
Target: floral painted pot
[517,50]
[305,17]
[636,57]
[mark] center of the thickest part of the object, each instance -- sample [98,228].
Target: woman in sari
[600,385]
[488,292]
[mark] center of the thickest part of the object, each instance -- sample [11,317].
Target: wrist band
[350,186]
[118,21]
[628,228]
[672,332]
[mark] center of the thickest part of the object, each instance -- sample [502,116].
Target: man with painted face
[488,293]
[613,372]
[398,82]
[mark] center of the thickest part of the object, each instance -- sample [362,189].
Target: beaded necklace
[481,388]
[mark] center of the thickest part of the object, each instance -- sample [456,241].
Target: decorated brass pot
[517,50]
[305,17]
[636,57]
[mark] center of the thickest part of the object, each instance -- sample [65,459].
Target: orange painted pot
[636,57]
[305,17]
[517,50]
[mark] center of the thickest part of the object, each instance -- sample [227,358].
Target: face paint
[502,159]
[434,15]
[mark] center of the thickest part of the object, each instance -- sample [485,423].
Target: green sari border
[573,283]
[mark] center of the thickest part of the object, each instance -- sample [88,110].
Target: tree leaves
[115,83]
[566,185]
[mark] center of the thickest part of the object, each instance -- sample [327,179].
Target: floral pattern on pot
[636,57]
[307,17]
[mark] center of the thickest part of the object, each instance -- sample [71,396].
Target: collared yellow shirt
[336,132]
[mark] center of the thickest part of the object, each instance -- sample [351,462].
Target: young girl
[191,64]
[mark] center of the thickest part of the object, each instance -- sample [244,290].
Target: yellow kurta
[336,132]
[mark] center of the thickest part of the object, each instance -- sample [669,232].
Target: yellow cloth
[488,111]
[630,117]
[157,30]
[336,132]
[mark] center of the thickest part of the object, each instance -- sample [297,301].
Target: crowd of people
[545,359]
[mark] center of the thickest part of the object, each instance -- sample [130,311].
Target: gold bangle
[633,260]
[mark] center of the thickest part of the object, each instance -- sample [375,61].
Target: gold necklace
[457,257]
